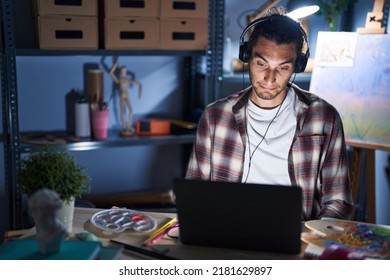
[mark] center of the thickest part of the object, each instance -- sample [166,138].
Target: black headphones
[245,50]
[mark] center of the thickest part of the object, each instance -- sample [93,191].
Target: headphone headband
[245,49]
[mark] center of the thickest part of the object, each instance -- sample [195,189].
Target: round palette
[118,220]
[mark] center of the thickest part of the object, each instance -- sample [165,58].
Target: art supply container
[82,119]
[95,88]
[100,124]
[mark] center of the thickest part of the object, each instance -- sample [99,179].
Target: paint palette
[370,240]
[118,220]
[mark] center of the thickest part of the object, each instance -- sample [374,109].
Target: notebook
[240,216]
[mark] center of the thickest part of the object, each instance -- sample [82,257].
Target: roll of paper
[82,118]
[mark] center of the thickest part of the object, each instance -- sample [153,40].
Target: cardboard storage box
[60,32]
[65,7]
[183,34]
[130,33]
[131,8]
[184,9]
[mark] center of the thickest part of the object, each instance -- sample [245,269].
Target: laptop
[239,216]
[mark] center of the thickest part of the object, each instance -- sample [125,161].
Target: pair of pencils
[159,231]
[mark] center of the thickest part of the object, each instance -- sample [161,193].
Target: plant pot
[65,214]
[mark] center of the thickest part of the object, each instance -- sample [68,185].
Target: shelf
[17,30]
[60,140]
[101,52]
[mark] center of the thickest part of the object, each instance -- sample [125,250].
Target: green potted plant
[332,9]
[56,170]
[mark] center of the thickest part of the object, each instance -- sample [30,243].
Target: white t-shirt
[266,158]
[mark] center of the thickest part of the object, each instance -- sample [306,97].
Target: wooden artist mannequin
[124,82]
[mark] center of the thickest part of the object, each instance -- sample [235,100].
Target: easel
[369,169]
[359,150]
[374,25]
[374,20]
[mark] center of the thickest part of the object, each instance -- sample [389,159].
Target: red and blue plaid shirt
[317,159]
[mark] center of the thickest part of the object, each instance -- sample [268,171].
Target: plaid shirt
[317,159]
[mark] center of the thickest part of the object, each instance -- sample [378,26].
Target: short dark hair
[277,28]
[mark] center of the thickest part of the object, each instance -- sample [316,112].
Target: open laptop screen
[241,216]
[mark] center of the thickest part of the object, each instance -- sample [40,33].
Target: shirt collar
[242,100]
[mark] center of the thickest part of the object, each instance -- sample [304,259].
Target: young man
[274,132]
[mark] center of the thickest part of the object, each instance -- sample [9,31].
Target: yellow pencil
[160,230]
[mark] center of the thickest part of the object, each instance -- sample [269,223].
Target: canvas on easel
[352,72]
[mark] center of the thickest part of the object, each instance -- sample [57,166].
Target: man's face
[270,67]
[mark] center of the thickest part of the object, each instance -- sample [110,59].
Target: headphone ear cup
[244,52]
[301,63]
[298,65]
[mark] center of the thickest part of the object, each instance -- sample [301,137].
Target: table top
[169,246]
[313,239]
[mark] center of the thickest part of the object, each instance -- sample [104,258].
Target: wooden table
[172,247]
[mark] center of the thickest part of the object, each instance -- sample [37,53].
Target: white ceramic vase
[65,214]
